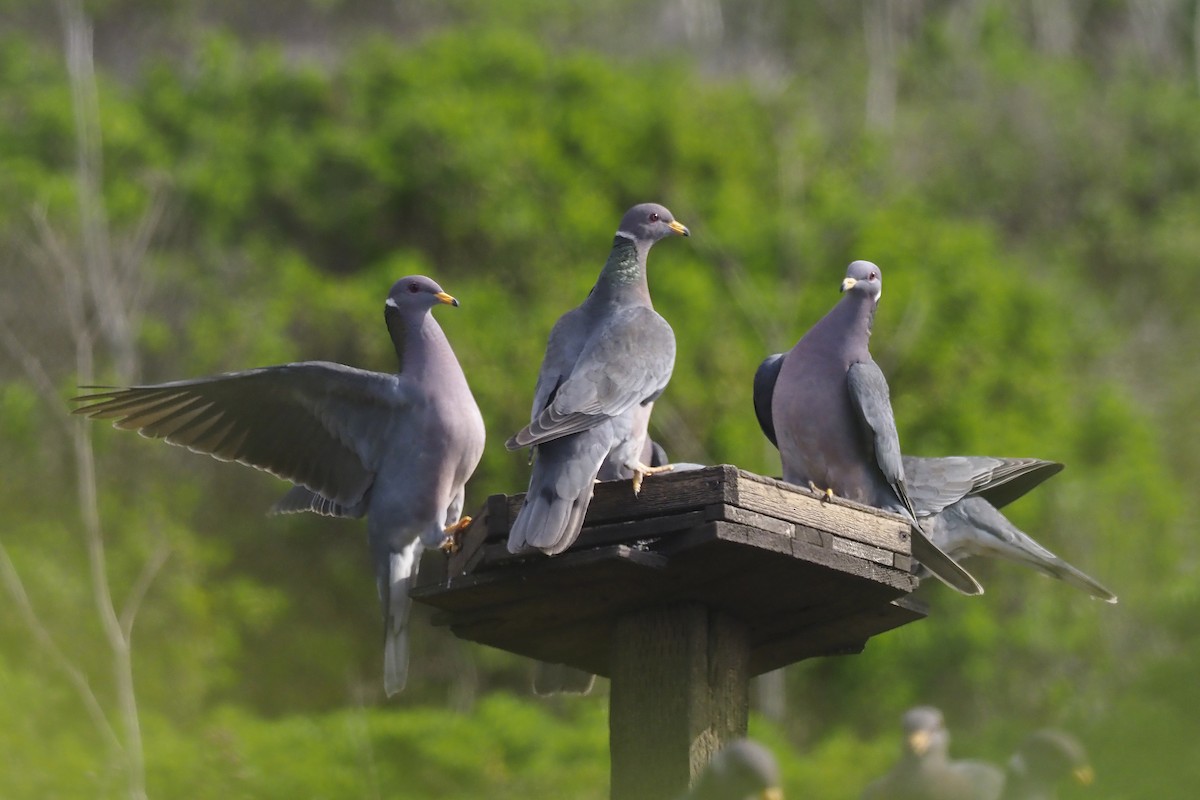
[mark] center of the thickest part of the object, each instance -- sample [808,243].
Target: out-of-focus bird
[925,770]
[833,422]
[742,770]
[395,448]
[604,360]
[1043,761]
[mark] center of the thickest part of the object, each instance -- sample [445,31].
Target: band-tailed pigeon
[957,497]
[1044,760]
[397,449]
[741,770]
[833,419]
[604,358]
[925,770]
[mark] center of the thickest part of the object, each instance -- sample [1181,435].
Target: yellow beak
[919,742]
[447,299]
[848,284]
[679,228]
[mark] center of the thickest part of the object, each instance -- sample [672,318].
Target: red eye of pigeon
[654,217]
[413,288]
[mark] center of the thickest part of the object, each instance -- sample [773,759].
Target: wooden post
[680,690]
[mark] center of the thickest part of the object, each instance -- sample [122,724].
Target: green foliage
[1039,302]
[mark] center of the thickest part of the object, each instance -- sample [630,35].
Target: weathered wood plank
[669,493]
[672,493]
[837,516]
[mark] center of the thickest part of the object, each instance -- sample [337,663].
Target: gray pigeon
[925,770]
[604,359]
[1044,760]
[397,449]
[742,770]
[833,418]
[957,497]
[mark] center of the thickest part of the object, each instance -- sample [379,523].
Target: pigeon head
[864,277]
[1048,756]
[415,294]
[742,770]
[646,223]
[924,729]
[406,308]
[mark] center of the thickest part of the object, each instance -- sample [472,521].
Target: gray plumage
[973,527]
[925,770]
[833,418]
[604,359]
[742,770]
[957,497]
[395,448]
[1044,760]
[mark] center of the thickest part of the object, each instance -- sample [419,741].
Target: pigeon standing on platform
[833,418]
[1043,761]
[957,497]
[925,770]
[742,770]
[395,448]
[605,359]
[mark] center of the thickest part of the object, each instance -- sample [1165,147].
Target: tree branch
[16,590]
[145,579]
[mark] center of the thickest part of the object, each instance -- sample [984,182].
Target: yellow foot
[453,534]
[641,471]
[827,493]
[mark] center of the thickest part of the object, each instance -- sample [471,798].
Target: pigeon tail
[1002,539]
[560,490]
[942,566]
[550,679]
[401,571]
[550,521]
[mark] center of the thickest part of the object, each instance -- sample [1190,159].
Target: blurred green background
[254,177]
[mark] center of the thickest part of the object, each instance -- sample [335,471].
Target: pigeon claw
[453,534]
[826,495]
[641,471]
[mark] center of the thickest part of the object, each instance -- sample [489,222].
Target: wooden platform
[805,576]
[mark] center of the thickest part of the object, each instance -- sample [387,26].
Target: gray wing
[625,362]
[868,391]
[935,483]
[764,392]
[317,424]
[869,397]
[566,340]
